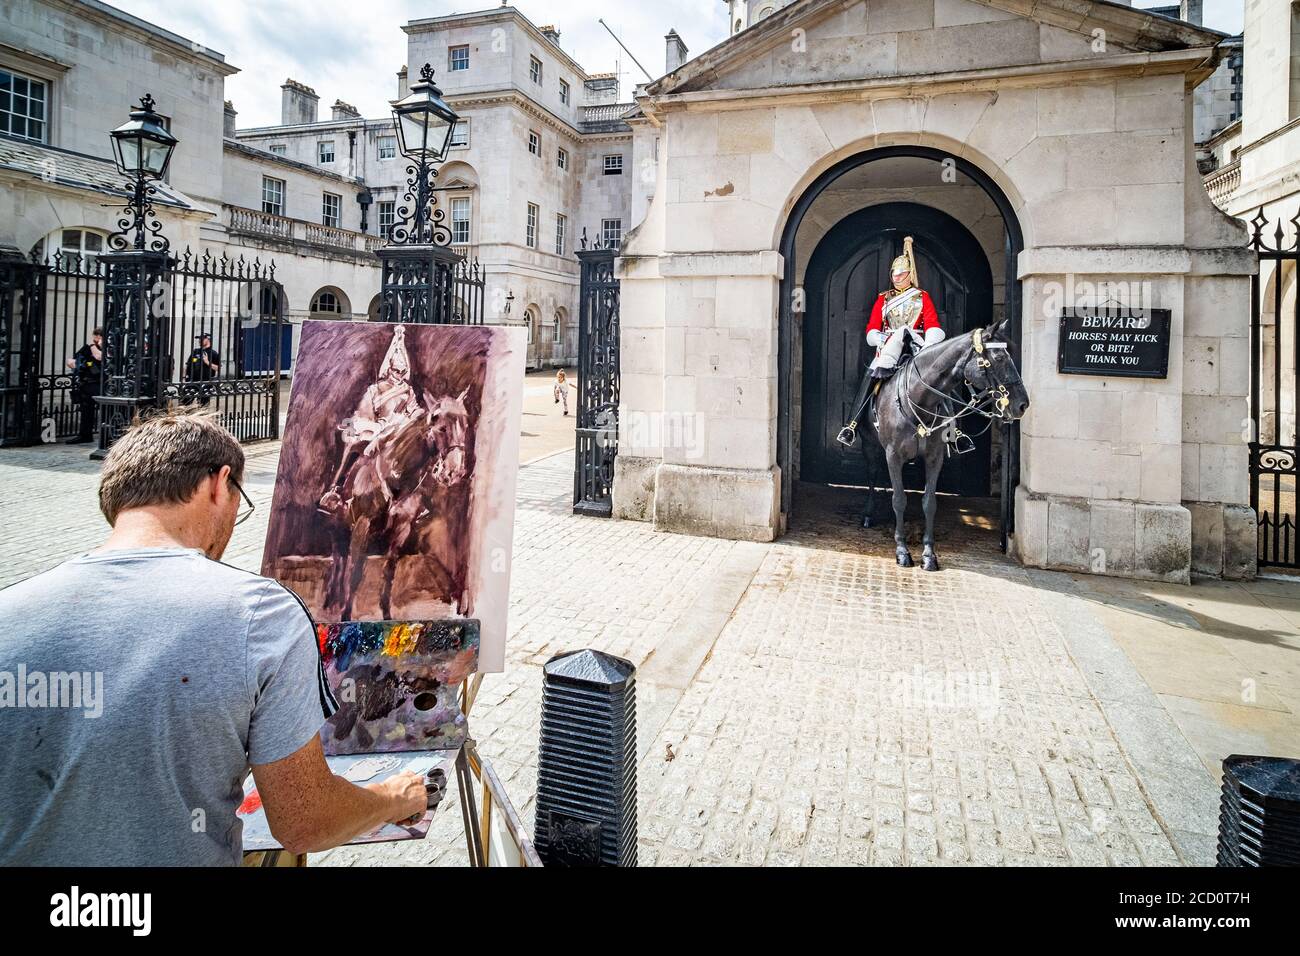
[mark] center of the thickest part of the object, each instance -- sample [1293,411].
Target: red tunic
[928,319]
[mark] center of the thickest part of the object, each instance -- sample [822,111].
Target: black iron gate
[17,339]
[598,384]
[1274,399]
[241,306]
[49,308]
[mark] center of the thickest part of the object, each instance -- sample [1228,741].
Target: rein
[951,407]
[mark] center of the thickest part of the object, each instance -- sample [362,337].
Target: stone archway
[945,168]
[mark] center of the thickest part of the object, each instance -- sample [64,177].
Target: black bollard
[1259,817]
[586,765]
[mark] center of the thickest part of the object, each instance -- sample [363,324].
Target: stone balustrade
[265,225]
[1223,183]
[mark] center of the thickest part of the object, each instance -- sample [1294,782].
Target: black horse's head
[990,371]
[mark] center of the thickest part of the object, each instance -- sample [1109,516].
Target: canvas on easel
[394,498]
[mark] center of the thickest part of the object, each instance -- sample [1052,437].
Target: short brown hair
[163,459]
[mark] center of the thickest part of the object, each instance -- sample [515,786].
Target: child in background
[562,386]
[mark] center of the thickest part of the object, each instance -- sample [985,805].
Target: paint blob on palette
[396,684]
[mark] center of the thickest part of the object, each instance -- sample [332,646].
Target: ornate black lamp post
[136,346]
[418,262]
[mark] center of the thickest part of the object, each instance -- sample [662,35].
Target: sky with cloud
[351,50]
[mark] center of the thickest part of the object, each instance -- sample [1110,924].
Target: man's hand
[406,792]
[309,809]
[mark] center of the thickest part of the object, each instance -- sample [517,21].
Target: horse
[914,415]
[389,495]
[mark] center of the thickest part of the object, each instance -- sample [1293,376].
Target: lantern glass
[142,145]
[128,154]
[424,120]
[154,157]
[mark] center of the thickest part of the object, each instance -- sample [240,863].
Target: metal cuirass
[898,314]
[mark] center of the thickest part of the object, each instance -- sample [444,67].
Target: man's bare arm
[310,809]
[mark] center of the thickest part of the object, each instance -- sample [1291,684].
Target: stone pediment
[828,41]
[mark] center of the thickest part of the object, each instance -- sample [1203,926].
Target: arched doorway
[848,269]
[821,261]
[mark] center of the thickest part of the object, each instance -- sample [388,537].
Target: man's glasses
[244,513]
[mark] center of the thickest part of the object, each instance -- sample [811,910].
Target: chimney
[298,104]
[601,89]
[228,125]
[343,111]
[676,53]
[551,34]
[403,87]
[1190,10]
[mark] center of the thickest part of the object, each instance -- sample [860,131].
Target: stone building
[532,120]
[318,195]
[1043,154]
[82,65]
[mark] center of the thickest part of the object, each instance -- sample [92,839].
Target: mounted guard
[903,321]
[385,407]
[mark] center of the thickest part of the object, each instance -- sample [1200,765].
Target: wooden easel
[478,832]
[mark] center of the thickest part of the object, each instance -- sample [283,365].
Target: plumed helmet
[905,262]
[396,357]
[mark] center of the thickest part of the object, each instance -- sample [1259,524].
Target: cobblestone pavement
[804,702]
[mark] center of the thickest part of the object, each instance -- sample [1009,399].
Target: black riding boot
[849,432]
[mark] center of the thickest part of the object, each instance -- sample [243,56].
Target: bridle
[992,402]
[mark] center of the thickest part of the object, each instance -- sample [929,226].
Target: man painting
[194,671]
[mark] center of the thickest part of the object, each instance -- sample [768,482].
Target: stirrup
[848,434]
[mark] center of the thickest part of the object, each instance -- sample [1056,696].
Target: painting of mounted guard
[394,498]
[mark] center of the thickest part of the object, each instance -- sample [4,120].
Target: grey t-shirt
[187,671]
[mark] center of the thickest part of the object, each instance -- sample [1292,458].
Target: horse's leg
[895,460]
[357,561]
[869,452]
[401,515]
[338,568]
[930,504]
[386,589]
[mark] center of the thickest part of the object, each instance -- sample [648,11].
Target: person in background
[561,390]
[87,365]
[204,364]
[189,673]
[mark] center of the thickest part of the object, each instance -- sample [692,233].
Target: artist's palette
[257,833]
[396,684]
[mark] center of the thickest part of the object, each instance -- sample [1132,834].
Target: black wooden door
[848,269]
